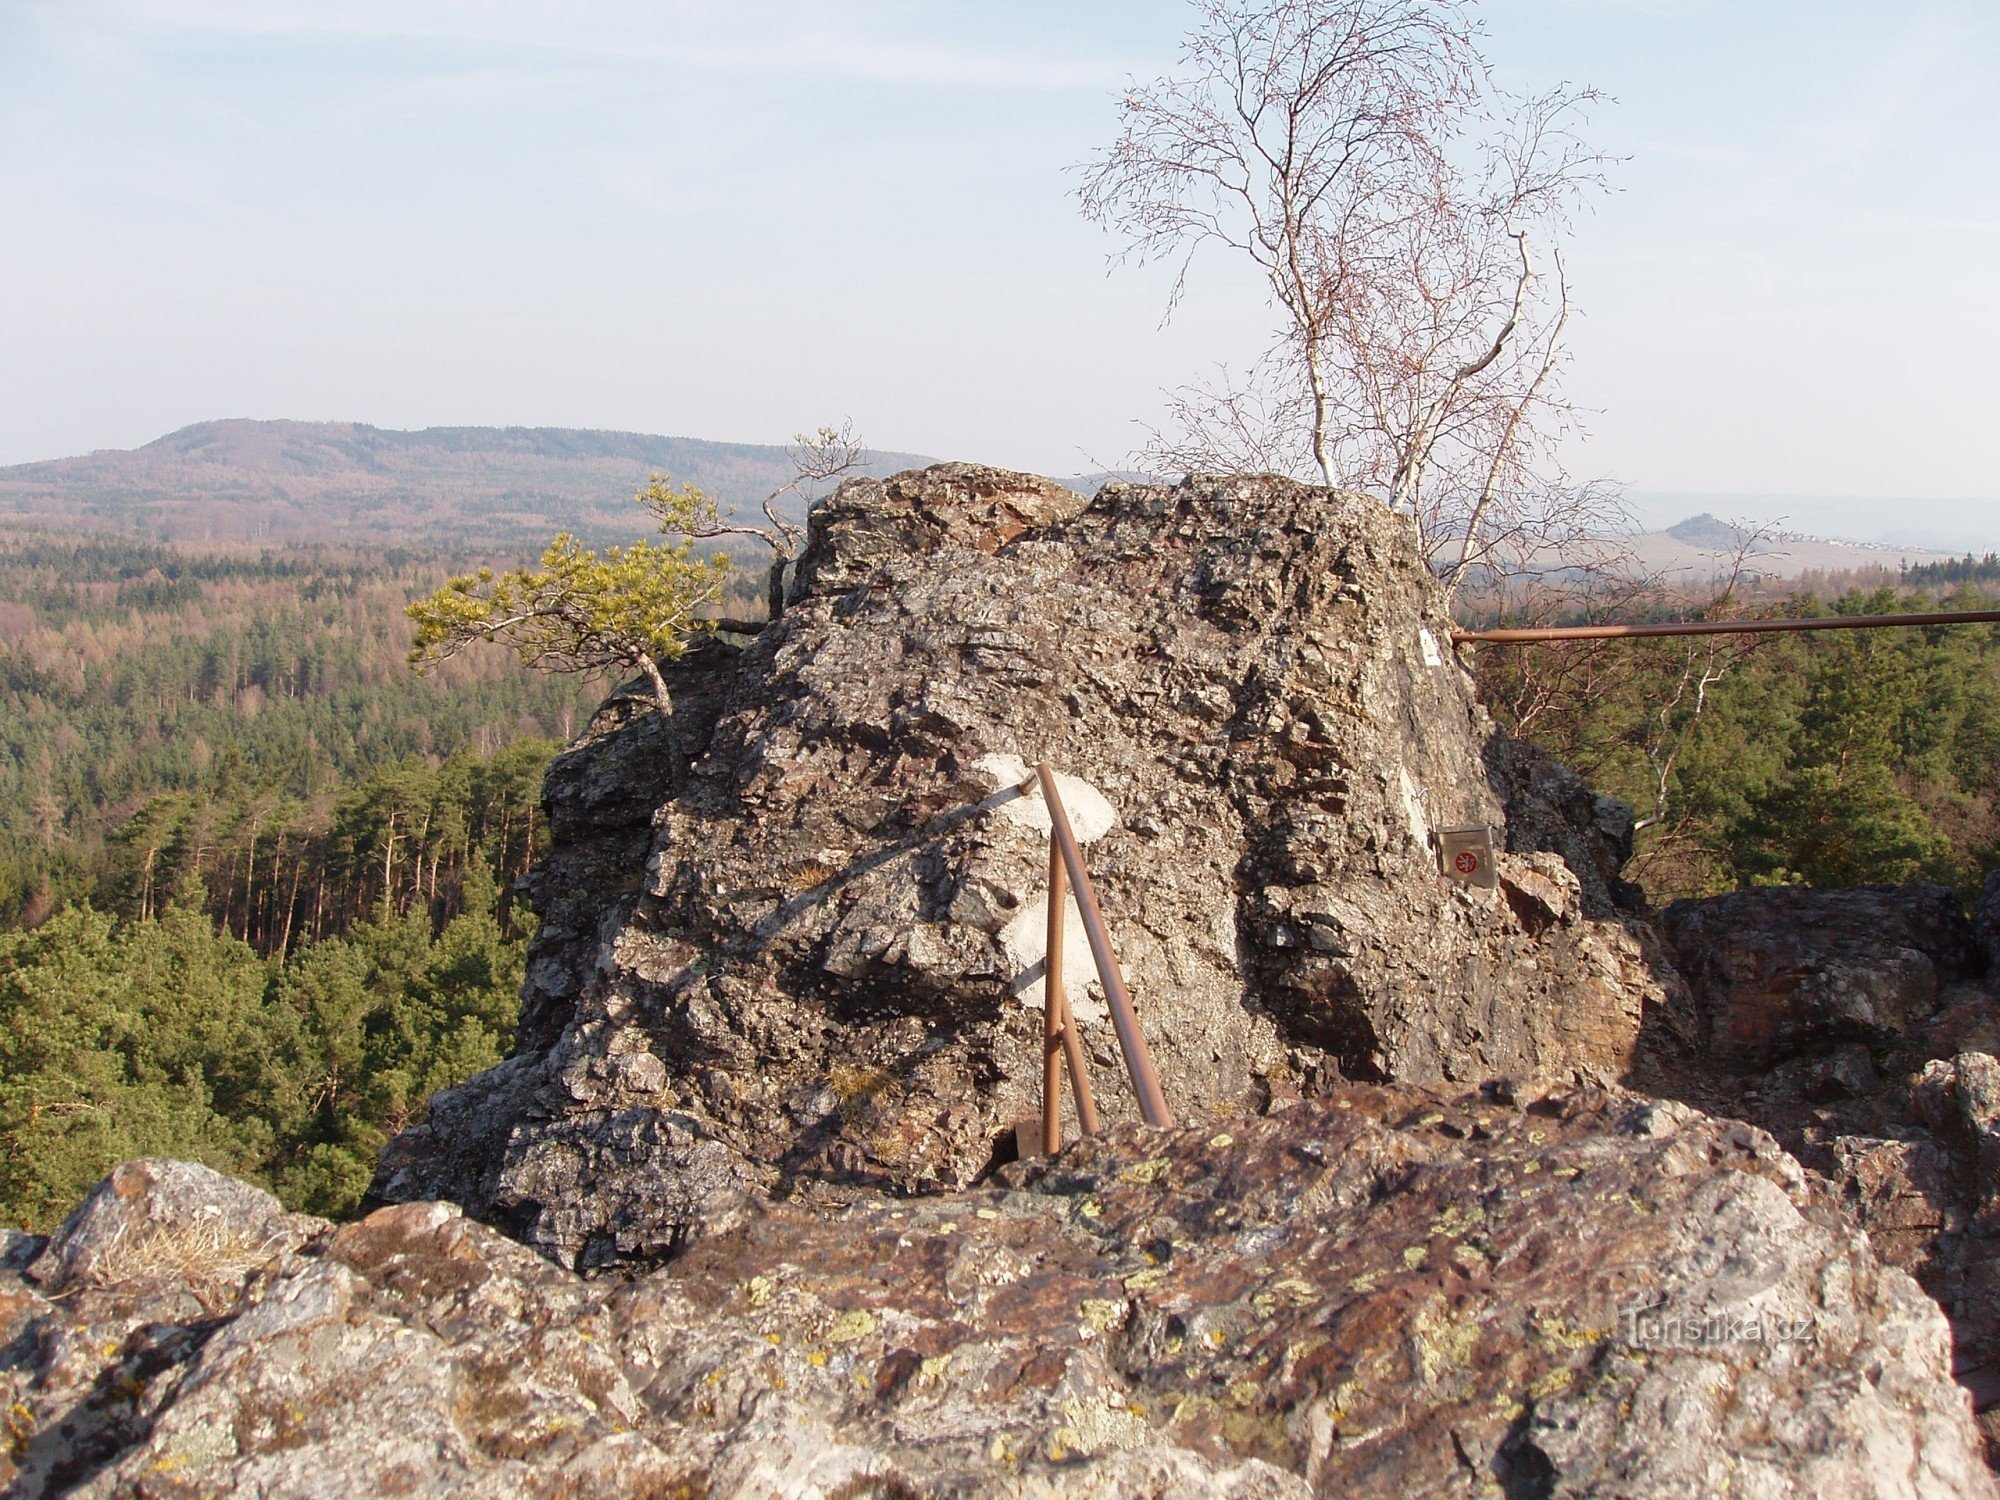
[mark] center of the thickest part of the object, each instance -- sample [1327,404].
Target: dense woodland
[255,873]
[253,870]
[1825,758]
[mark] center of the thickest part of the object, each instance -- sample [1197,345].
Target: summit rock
[782,943]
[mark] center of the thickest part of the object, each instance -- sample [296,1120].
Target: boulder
[154,1218]
[1780,971]
[789,934]
[1396,1291]
[1859,1028]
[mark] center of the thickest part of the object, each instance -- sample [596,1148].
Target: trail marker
[1466,855]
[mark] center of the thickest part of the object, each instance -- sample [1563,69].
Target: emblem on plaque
[1466,854]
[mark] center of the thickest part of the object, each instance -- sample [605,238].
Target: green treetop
[627,610]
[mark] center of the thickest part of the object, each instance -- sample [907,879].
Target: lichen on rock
[1397,1291]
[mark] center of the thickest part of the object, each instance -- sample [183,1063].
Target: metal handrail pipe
[1060,1039]
[1718,627]
[1138,1061]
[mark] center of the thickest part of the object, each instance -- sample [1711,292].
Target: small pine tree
[628,609]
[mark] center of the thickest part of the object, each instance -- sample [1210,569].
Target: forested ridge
[253,870]
[163,716]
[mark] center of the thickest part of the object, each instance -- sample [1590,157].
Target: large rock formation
[791,937]
[1398,1292]
[1860,1027]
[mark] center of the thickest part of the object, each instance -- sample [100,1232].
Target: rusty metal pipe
[1138,1061]
[1059,1024]
[1054,1022]
[1079,1071]
[1718,627]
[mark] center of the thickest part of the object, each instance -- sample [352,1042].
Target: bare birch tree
[1407,215]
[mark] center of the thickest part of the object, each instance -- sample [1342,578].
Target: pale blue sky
[734,220]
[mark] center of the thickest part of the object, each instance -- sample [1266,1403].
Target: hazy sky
[737,219]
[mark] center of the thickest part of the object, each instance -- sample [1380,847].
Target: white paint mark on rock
[1427,643]
[1091,814]
[1024,943]
[1413,807]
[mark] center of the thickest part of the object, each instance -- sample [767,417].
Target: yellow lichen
[1444,1343]
[1298,1349]
[1454,1220]
[758,1290]
[1555,1333]
[857,1323]
[1101,1314]
[1554,1383]
[1146,1171]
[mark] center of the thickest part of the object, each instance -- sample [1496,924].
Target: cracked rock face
[1860,1028]
[1394,1292]
[787,937]
[1786,970]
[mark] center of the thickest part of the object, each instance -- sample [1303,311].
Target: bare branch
[1401,208]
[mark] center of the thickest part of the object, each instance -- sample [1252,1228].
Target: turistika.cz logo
[1650,1326]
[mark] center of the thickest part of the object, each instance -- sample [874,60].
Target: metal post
[1720,627]
[1059,1024]
[1054,1022]
[1131,1041]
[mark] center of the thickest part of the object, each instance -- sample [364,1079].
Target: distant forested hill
[457,488]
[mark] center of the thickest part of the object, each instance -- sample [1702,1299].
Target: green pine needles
[628,609]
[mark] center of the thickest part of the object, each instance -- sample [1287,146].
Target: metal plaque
[1466,855]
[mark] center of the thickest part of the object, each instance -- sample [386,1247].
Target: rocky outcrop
[790,935]
[1394,1292]
[739,1216]
[1787,970]
[1860,1028]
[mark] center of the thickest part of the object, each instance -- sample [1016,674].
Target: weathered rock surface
[1399,1292]
[784,932]
[1780,971]
[1860,1028]
[784,1007]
